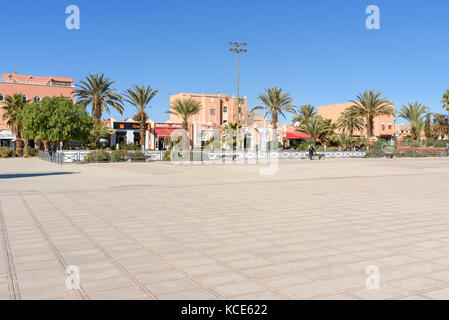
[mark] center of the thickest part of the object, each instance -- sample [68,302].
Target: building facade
[216,111]
[383,126]
[34,88]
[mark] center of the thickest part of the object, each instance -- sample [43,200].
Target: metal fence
[103,156]
[52,157]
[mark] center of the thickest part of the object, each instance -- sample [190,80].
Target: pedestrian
[311,151]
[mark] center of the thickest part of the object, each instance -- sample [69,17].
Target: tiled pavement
[160,231]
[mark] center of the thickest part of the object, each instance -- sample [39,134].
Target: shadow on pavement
[30,175]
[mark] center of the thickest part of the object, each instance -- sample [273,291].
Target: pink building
[383,126]
[216,111]
[34,88]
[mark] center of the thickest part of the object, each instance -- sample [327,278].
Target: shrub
[98,156]
[113,146]
[33,152]
[6,152]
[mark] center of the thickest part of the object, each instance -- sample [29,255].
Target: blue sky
[320,51]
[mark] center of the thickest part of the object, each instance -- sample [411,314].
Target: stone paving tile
[307,291]
[172,286]
[239,289]
[198,294]
[417,284]
[440,294]
[178,236]
[384,292]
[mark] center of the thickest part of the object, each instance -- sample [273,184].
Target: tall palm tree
[184,109]
[348,123]
[275,103]
[13,105]
[445,100]
[228,129]
[370,105]
[140,97]
[414,113]
[315,128]
[97,92]
[305,113]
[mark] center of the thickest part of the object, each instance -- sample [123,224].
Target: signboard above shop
[128,126]
[7,135]
[168,126]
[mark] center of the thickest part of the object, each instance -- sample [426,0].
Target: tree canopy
[55,119]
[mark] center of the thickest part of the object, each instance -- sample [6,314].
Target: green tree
[440,126]
[414,113]
[99,130]
[140,97]
[445,100]
[349,122]
[304,114]
[370,105]
[13,105]
[56,119]
[97,92]
[275,103]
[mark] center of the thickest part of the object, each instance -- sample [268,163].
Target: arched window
[37,99]
[1,97]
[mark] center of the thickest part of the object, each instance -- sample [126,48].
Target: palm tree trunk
[96,112]
[142,134]
[25,151]
[370,127]
[46,146]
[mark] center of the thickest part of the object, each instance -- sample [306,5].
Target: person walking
[311,151]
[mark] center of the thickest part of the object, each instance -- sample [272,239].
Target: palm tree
[140,97]
[370,105]
[231,128]
[305,113]
[12,107]
[275,103]
[348,123]
[415,114]
[315,127]
[97,92]
[184,109]
[445,100]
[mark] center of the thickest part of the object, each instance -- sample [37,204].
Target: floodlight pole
[238,48]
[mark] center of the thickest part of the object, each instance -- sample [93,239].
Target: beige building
[383,126]
[216,111]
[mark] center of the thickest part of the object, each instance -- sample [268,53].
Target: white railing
[74,156]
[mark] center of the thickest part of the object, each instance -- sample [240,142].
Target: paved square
[160,231]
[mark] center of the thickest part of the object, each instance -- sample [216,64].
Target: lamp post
[238,47]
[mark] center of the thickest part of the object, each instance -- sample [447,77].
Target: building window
[212,112]
[37,99]
[225,109]
[24,98]
[1,97]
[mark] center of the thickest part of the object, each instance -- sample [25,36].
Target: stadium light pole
[238,47]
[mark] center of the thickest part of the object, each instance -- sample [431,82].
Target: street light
[238,47]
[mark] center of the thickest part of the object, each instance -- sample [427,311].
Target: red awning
[296,135]
[164,132]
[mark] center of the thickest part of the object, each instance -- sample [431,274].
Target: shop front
[128,133]
[160,132]
[7,138]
